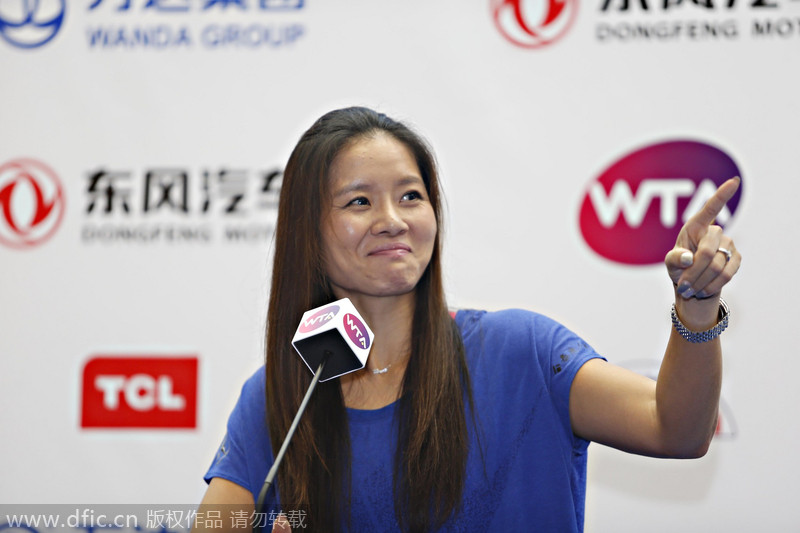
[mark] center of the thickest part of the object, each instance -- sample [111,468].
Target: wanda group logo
[533,23]
[30,24]
[31,203]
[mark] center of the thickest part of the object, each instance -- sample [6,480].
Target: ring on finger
[726,252]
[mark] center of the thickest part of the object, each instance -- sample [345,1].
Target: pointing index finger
[714,205]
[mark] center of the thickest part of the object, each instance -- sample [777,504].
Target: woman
[461,422]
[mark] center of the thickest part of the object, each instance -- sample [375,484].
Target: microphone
[336,328]
[332,340]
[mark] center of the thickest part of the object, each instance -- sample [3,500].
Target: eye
[359,201]
[412,195]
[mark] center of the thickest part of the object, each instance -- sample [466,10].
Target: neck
[379,384]
[390,319]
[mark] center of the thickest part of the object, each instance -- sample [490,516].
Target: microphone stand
[278,458]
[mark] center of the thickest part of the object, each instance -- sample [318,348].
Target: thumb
[281,524]
[677,260]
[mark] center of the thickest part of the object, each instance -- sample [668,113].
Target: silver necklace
[386,369]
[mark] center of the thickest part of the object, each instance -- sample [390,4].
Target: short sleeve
[562,353]
[527,351]
[244,448]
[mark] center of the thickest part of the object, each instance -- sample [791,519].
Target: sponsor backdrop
[142,144]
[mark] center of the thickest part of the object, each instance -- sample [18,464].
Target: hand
[281,524]
[695,264]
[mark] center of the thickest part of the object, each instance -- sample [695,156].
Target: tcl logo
[632,213]
[140,392]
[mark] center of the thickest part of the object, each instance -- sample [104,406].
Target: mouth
[391,249]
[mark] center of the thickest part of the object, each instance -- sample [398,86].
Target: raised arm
[677,415]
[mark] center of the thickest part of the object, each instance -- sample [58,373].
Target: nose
[389,220]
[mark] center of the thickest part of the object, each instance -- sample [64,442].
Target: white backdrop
[141,95]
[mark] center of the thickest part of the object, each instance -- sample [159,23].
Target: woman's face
[379,232]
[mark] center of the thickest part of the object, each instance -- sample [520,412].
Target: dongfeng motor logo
[30,23]
[31,203]
[533,23]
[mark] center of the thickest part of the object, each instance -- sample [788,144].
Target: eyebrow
[363,185]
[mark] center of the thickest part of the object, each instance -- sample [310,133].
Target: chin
[399,289]
[394,289]
[399,284]
[383,291]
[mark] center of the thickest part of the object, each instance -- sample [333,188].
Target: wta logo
[632,213]
[31,23]
[533,23]
[356,331]
[323,316]
[31,203]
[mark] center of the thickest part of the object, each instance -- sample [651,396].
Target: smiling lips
[394,249]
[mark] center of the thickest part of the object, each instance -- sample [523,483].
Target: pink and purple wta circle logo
[633,211]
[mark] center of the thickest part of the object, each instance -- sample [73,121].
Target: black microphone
[332,340]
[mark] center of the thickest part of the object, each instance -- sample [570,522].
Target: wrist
[705,334]
[697,314]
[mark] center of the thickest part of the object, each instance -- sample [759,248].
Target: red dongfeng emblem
[533,23]
[31,203]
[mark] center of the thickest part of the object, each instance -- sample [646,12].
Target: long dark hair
[432,448]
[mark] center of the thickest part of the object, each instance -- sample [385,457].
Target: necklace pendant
[381,371]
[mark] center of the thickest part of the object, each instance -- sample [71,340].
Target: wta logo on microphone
[335,334]
[139,392]
[356,330]
[633,211]
[318,319]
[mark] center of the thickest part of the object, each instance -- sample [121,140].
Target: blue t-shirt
[521,365]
